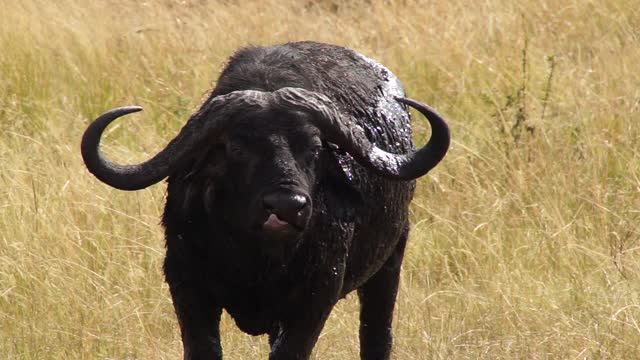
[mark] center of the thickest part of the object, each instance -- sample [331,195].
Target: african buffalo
[288,189]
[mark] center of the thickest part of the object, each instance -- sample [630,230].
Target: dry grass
[526,239]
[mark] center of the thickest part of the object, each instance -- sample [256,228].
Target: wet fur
[355,239]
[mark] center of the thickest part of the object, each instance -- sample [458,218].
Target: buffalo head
[264,150]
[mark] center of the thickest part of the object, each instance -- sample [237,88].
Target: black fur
[355,233]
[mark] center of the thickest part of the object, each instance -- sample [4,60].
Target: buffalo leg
[298,336]
[197,314]
[274,333]
[199,323]
[377,300]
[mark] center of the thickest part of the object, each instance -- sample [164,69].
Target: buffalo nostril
[286,206]
[269,202]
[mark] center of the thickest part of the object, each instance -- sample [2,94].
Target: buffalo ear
[342,196]
[209,197]
[213,168]
[197,179]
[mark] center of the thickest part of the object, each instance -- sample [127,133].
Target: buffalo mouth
[274,223]
[278,238]
[278,228]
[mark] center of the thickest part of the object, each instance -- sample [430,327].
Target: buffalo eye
[313,153]
[236,151]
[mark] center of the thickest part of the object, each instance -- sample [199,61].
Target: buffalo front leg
[199,320]
[377,301]
[199,325]
[298,332]
[297,337]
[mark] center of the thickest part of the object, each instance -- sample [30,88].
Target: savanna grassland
[526,239]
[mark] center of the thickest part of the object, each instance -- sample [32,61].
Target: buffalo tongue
[274,222]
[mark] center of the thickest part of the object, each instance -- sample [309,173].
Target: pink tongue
[274,222]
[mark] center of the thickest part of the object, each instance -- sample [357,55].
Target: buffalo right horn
[210,120]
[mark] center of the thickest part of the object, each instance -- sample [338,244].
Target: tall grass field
[525,241]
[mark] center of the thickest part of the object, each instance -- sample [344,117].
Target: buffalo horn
[210,120]
[351,137]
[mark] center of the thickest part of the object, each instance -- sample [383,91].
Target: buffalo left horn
[351,137]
